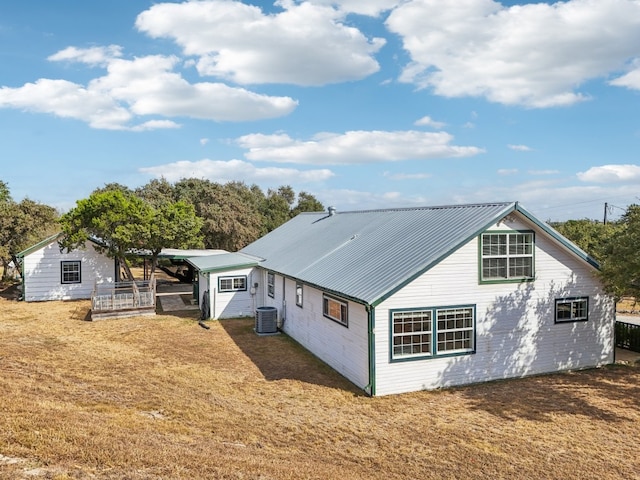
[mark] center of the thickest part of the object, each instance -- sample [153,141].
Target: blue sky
[365,104]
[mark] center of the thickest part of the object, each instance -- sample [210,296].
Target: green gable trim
[39,245]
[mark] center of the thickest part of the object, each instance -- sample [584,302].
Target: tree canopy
[22,224]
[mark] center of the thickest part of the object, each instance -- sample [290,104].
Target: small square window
[70,271]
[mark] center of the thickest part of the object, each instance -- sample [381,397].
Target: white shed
[50,274]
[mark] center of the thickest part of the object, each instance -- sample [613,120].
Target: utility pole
[606,207]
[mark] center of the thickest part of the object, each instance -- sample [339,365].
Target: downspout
[370,389]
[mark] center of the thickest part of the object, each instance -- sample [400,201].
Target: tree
[22,225]
[119,221]
[590,235]
[306,203]
[620,270]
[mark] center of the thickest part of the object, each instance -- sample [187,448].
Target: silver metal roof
[222,262]
[367,255]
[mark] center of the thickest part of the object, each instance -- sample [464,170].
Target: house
[49,274]
[402,300]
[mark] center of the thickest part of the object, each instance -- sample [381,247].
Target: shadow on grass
[10,291]
[600,394]
[279,357]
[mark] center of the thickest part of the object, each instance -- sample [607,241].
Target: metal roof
[368,255]
[222,262]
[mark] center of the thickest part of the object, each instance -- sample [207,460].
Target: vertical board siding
[42,273]
[345,349]
[516,334]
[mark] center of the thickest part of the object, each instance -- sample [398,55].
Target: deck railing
[628,336]
[114,297]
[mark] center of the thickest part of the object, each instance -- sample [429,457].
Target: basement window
[572,310]
[70,271]
[336,310]
[232,284]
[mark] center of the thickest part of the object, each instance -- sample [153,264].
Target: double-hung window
[432,331]
[236,283]
[70,271]
[507,257]
[572,310]
[299,294]
[271,284]
[336,310]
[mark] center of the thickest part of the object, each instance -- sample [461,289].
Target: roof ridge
[427,207]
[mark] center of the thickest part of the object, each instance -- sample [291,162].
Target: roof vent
[332,211]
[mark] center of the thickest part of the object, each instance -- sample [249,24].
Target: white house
[49,274]
[401,300]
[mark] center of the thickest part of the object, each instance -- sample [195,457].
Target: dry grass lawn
[163,398]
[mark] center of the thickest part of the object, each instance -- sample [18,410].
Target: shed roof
[368,255]
[223,262]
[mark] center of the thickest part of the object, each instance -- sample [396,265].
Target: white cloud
[507,171]
[611,174]
[232,170]
[406,176]
[519,148]
[429,122]
[91,56]
[204,141]
[306,44]
[143,86]
[371,8]
[67,100]
[531,55]
[354,147]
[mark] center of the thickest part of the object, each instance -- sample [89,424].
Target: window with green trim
[432,331]
[572,310]
[506,256]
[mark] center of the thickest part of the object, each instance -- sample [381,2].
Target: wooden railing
[628,336]
[120,296]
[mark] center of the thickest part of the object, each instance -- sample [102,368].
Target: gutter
[370,388]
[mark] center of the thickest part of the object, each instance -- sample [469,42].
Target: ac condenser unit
[266,320]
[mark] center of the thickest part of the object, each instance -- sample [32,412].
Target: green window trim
[431,332]
[506,256]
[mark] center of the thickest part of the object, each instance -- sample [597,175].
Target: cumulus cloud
[91,56]
[519,148]
[429,122]
[305,44]
[232,170]
[371,8]
[611,174]
[139,87]
[531,55]
[354,147]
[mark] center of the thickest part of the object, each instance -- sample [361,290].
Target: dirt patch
[160,397]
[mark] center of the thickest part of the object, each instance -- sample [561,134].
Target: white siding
[42,273]
[345,349]
[229,304]
[515,330]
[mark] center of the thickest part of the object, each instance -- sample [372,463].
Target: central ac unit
[266,320]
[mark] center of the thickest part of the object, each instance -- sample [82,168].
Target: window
[271,284]
[335,309]
[299,294]
[411,333]
[506,256]
[232,284]
[572,310]
[432,331]
[70,271]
